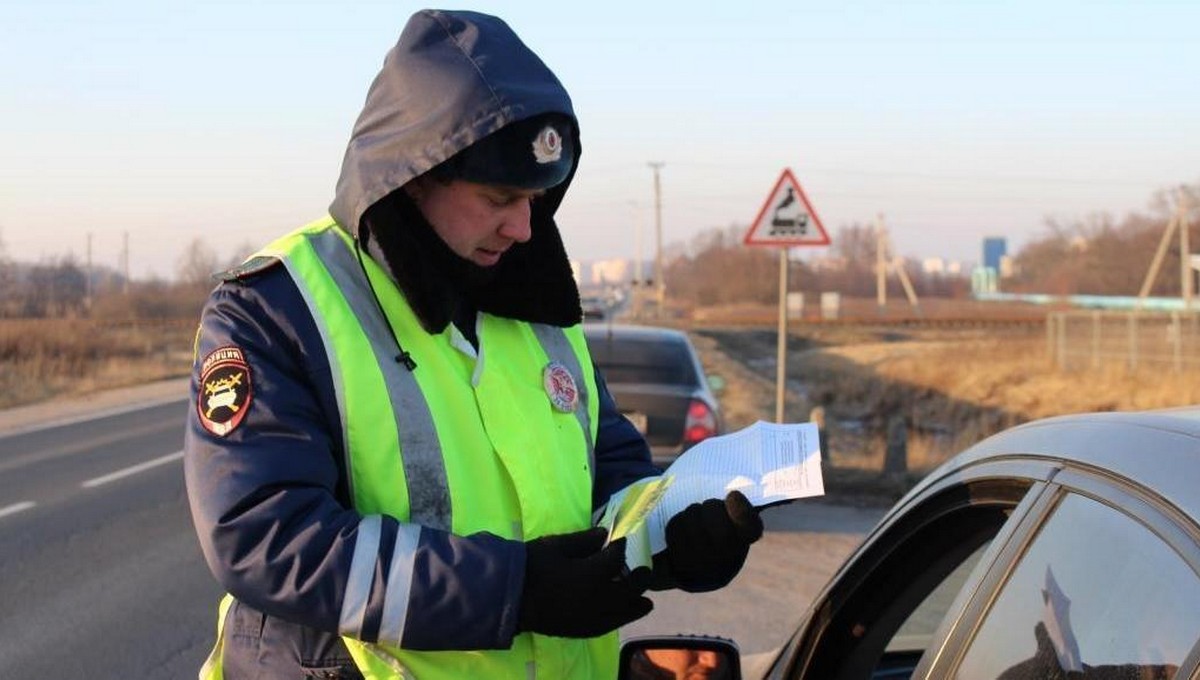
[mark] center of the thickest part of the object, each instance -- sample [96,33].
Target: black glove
[707,544]
[575,589]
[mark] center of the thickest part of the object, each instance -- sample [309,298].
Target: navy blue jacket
[273,512]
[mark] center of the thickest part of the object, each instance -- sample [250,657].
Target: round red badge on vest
[560,387]
[225,391]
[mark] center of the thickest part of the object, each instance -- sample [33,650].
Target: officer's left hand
[707,544]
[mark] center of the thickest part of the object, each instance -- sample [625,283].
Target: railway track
[957,322]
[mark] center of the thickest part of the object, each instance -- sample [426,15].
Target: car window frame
[991,573]
[1017,483]
[1154,513]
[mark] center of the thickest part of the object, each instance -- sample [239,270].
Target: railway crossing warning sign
[787,218]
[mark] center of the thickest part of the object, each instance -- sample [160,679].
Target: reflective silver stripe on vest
[362,573]
[331,356]
[558,348]
[420,450]
[399,584]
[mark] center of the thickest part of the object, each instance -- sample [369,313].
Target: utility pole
[659,281]
[637,259]
[781,353]
[87,276]
[638,226]
[1177,221]
[1185,255]
[883,260]
[125,264]
[880,264]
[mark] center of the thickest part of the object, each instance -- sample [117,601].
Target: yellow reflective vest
[467,442]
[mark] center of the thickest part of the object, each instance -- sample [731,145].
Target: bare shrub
[41,358]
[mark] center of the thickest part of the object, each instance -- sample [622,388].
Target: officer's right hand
[575,586]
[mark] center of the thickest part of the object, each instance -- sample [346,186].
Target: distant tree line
[1097,255]
[1100,255]
[62,287]
[718,269]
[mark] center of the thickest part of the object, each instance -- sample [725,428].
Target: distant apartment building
[986,277]
[995,248]
[828,263]
[1008,267]
[614,272]
[611,272]
[984,281]
[943,267]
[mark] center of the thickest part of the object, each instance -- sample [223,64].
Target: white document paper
[767,462]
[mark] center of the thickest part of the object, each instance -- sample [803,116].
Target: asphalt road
[100,573]
[101,577]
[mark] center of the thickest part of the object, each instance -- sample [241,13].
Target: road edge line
[87,417]
[131,470]
[17,507]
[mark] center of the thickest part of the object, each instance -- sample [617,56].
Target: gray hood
[452,79]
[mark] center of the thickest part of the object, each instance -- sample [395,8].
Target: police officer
[398,439]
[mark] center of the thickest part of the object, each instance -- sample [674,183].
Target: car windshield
[658,361]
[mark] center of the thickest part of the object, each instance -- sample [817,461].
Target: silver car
[1063,548]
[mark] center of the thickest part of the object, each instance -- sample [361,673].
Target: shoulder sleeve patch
[225,390]
[250,267]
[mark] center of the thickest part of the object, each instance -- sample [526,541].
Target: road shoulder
[86,407]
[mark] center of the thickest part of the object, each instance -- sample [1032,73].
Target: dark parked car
[657,381]
[1063,548]
[595,308]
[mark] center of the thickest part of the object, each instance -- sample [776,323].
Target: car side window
[1096,595]
[873,629]
[918,629]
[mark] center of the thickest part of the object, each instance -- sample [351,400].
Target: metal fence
[1092,339]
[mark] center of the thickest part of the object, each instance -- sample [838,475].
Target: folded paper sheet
[768,463]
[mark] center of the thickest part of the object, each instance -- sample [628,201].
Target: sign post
[786,220]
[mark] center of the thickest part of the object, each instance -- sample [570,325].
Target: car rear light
[701,423]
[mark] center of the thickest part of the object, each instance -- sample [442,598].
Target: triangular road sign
[787,218]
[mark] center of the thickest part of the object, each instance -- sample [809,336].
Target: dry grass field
[952,387]
[45,358]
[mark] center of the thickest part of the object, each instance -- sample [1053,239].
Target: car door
[1106,585]
[956,580]
[884,609]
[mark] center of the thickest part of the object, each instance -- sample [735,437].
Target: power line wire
[936,176]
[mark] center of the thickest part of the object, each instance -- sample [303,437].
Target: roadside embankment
[949,388]
[51,359]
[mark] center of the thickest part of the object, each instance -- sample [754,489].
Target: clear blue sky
[956,120]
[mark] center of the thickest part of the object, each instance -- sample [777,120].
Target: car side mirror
[679,656]
[716,383]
